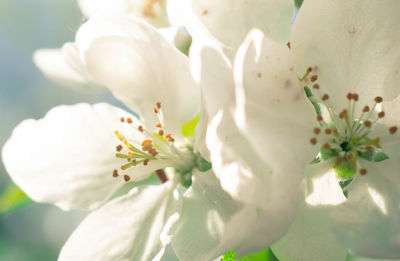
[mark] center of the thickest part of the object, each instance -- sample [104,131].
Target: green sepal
[12,198]
[189,128]
[310,96]
[298,3]
[327,154]
[373,155]
[345,170]
[202,164]
[265,255]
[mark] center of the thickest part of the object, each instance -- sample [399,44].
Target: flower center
[154,150]
[345,136]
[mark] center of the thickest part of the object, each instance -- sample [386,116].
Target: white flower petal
[67,158]
[368,223]
[212,223]
[153,12]
[115,58]
[228,22]
[311,238]
[127,228]
[56,65]
[272,108]
[353,44]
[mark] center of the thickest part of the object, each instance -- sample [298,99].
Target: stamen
[158,125]
[366,109]
[313,141]
[320,118]
[161,132]
[317,131]
[316,86]
[155,110]
[363,172]
[367,123]
[378,99]
[146,161]
[140,128]
[122,119]
[115,173]
[328,131]
[119,148]
[127,178]
[129,120]
[158,105]
[381,114]
[314,78]
[327,146]
[325,97]
[392,130]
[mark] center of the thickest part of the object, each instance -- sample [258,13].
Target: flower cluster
[268,133]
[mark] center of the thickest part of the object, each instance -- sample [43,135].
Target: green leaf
[373,155]
[298,3]
[189,128]
[11,198]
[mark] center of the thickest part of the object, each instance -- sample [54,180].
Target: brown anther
[119,148]
[381,114]
[319,118]
[158,105]
[339,160]
[115,173]
[146,161]
[147,142]
[127,178]
[368,148]
[314,78]
[378,99]
[363,172]
[147,147]
[122,119]
[328,131]
[341,115]
[316,86]
[325,97]
[317,131]
[367,123]
[158,125]
[129,160]
[309,69]
[129,120]
[155,110]
[160,132]
[170,139]
[349,157]
[349,96]
[355,96]
[392,130]
[153,152]
[366,109]
[140,128]
[327,146]
[168,135]
[288,44]
[313,141]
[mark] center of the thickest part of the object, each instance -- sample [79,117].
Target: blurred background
[35,231]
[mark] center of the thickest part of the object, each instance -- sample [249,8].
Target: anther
[349,96]
[161,132]
[158,125]
[317,131]
[129,120]
[328,131]
[341,115]
[119,148]
[140,128]
[288,44]
[392,130]
[122,119]
[368,148]
[381,114]
[127,178]
[146,161]
[366,109]
[367,123]
[309,69]
[363,172]
[319,118]
[147,142]
[155,109]
[325,97]
[314,78]
[115,173]
[378,99]
[339,160]
[327,146]
[313,141]
[316,86]
[158,105]
[355,96]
